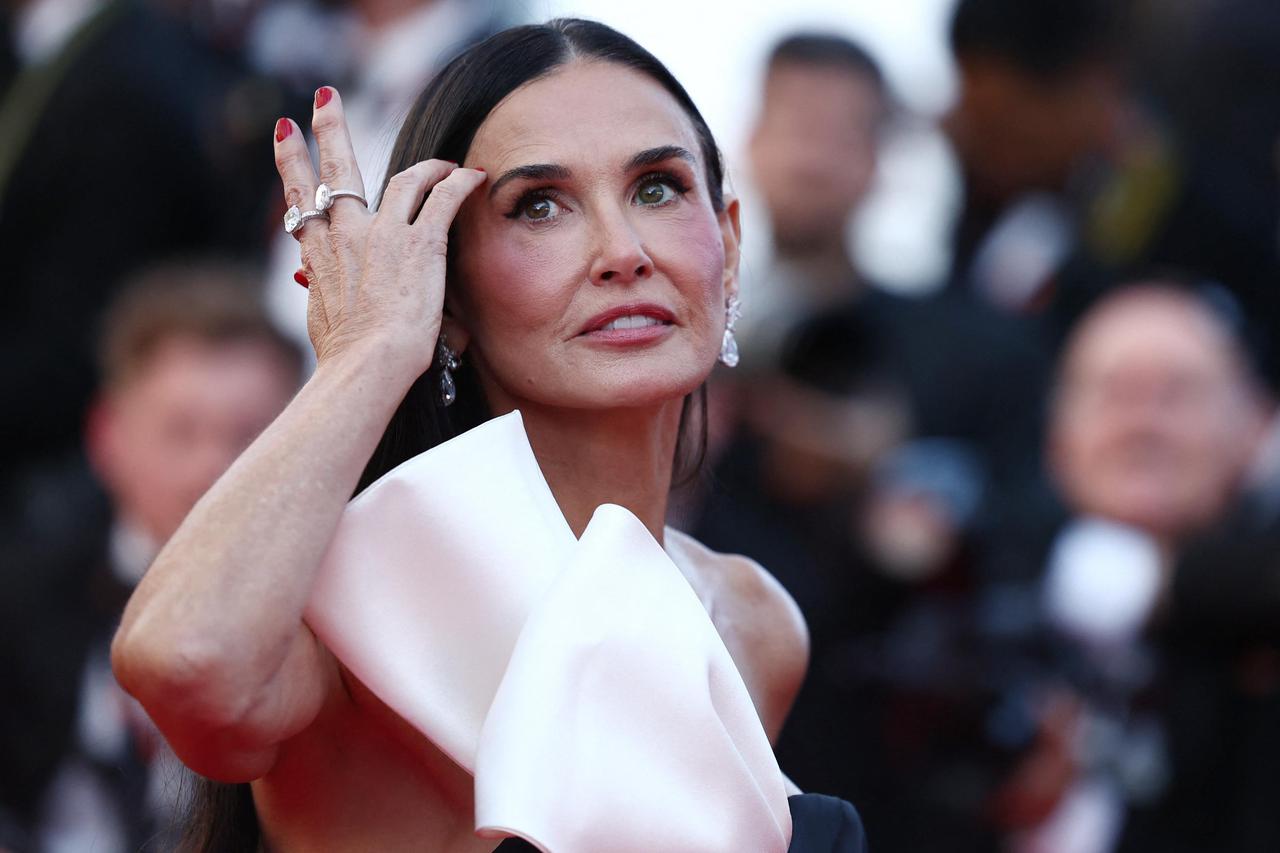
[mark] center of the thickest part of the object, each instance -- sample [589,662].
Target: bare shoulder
[758,620]
[743,587]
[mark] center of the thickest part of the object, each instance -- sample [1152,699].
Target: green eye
[654,192]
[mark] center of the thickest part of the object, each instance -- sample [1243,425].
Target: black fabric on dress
[820,824]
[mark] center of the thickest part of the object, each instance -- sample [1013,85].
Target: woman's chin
[652,384]
[641,381]
[632,392]
[639,395]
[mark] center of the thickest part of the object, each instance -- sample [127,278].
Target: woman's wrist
[384,362]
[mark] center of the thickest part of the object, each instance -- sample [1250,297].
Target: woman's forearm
[216,620]
[213,642]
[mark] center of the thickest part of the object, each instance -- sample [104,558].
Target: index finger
[338,168]
[446,197]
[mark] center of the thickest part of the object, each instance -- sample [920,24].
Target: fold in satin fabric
[580,681]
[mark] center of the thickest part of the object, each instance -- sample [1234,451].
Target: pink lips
[633,324]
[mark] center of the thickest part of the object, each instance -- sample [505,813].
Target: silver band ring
[325,196]
[295,218]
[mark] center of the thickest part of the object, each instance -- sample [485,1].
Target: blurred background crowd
[1019,468]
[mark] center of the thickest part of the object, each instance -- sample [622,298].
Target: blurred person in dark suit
[1156,419]
[946,366]
[1041,102]
[812,154]
[1220,688]
[811,159]
[1040,92]
[1103,142]
[121,143]
[1212,632]
[787,441]
[938,367]
[192,372]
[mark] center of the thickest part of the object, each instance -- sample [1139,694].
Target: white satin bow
[580,681]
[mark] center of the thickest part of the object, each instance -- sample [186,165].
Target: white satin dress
[580,681]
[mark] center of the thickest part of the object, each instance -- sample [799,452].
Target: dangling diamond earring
[729,346]
[448,361]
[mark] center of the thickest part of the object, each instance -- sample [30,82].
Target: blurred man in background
[1157,414]
[1104,141]
[1040,93]
[812,155]
[1157,418]
[1039,111]
[811,159]
[192,372]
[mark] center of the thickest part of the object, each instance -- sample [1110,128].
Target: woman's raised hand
[213,642]
[373,277]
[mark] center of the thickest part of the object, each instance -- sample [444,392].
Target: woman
[581,262]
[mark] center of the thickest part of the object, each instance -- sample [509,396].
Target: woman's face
[592,270]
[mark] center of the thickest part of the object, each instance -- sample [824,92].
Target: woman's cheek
[701,257]
[526,278]
[518,312]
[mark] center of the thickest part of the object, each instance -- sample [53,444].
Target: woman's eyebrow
[553,172]
[535,172]
[660,154]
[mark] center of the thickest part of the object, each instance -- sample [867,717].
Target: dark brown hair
[442,124]
[827,50]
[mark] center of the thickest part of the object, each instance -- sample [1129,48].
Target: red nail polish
[301,279]
[323,94]
[478,169]
[284,127]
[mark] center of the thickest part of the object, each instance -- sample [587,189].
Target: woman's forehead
[586,111]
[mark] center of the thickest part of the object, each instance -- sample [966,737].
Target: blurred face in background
[160,439]
[1155,419]
[813,151]
[1016,133]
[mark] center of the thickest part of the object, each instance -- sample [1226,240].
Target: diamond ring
[295,218]
[325,196]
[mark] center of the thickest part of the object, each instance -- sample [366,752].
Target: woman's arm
[212,642]
[776,642]
[758,621]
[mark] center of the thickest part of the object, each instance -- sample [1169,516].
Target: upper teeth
[632,321]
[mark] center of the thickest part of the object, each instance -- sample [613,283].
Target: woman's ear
[731,233]
[453,322]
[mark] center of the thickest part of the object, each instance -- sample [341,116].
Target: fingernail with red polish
[284,127]
[323,94]
[301,278]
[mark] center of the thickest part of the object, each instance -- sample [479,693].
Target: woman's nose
[620,255]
